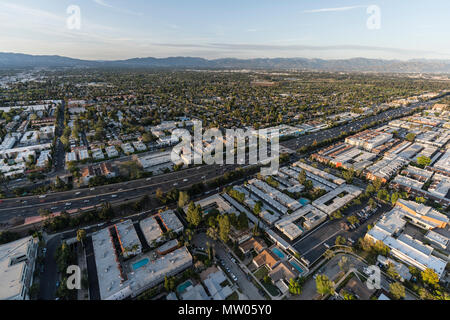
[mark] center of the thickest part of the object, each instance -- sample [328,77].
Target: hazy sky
[117,29]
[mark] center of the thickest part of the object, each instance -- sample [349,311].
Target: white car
[185,180]
[68,204]
[42,197]
[86,201]
[114,196]
[77,193]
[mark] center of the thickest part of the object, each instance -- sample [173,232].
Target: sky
[121,29]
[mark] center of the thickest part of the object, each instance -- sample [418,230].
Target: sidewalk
[83,294]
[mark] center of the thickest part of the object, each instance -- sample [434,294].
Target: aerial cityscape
[219,171]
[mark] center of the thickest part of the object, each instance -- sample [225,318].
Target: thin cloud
[103,3]
[338,9]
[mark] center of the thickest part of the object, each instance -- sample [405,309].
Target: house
[266,257]
[255,244]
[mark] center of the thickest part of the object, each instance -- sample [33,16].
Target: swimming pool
[303,201]
[278,252]
[296,266]
[140,263]
[182,287]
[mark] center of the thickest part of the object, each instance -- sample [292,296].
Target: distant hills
[18,60]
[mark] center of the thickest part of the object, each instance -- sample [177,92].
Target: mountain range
[18,60]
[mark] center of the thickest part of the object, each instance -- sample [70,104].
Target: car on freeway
[86,201]
[42,197]
[77,193]
[175,184]
[68,203]
[185,180]
[92,189]
[114,196]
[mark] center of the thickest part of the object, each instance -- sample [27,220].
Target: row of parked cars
[232,275]
[363,215]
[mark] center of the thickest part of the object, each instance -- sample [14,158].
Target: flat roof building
[307,217]
[336,199]
[128,239]
[17,262]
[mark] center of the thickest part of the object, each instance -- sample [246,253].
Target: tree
[340,241]
[295,286]
[397,290]
[394,197]
[381,248]
[372,203]
[348,296]
[410,137]
[309,185]
[224,227]
[392,272]
[349,175]
[324,285]
[160,195]
[328,254]
[183,198]
[194,214]
[242,221]
[302,177]
[353,220]
[344,264]
[81,235]
[430,277]
[423,161]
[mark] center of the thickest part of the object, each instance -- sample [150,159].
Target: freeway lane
[122,192]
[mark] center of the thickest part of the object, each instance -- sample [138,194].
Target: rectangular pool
[140,264]
[182,287]
[296,266]
[278,253]
[303,201]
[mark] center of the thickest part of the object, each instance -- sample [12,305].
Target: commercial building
[389,229]
[158,159]
[336,199]
[385,169]
[369,139]
[17,262]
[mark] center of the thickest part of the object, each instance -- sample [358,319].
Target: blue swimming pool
[140,263]
[303,201]
[278,252]
[296,266]
[182,287]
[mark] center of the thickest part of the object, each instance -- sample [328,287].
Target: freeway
[82,198]
[320,136]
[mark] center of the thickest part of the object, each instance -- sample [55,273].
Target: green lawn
[273,290]
[261,273]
